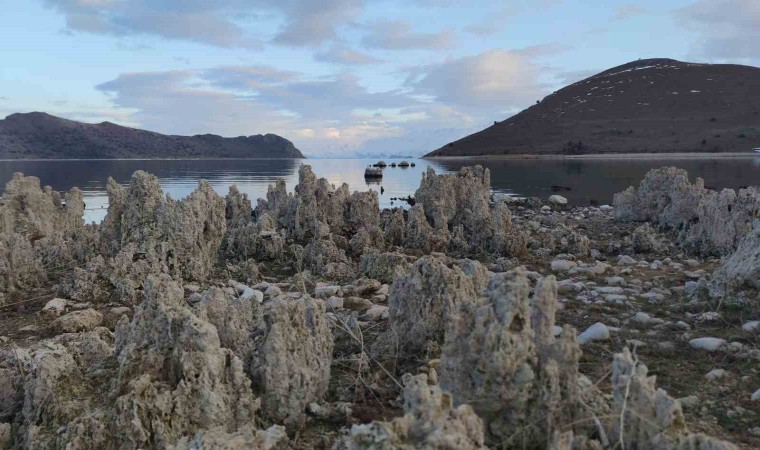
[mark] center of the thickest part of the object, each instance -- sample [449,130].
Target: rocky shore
[317,320]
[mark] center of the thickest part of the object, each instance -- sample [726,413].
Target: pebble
[326,291]
[645,319]
[709,344]
[682,325]
[688,402]
[557,200]
[76,321]
[562,265]
[625,260]
[610,290]
[55,307]
[716,374]
[753,325]
[755,397]
[273,291]
[335,302]
[375,313]
[596,332]
[556,330]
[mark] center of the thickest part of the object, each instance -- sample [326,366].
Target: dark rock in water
[558,188]
[381,163]
[393,164]
[373,172]
[40,135]
[403,164]
[412,164]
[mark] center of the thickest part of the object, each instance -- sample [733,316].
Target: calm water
[589,179]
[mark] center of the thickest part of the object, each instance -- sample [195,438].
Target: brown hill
[40,135]
[646,106]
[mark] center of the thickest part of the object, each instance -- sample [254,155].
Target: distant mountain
[40,135]
[645,106]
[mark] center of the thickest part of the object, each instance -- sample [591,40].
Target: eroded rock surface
[291,367]
[423,302]
[707,222]
[430,422]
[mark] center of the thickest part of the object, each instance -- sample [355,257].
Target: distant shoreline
[606,156]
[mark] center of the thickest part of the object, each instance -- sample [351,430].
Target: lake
[595,179]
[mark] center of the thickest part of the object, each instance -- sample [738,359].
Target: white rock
[55,307]
[562,265]
[615,281]
[756,396]
[556,330]
[273,291]
[335,302]
[707,343]
[596,332]
[610,290]
[375,313]
[682,325]
[753,325]
[625,260]
[645,319]
[716,374]
[325,291]
[557,200]
[615,298]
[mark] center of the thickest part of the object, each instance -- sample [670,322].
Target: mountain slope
[646,106]
[40,135]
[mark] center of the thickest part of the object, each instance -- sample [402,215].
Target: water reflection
[592,180]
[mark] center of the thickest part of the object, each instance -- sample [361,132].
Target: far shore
[607,156]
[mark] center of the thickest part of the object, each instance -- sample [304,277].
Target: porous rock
[527,383]
[648,416]
[430,422]
[421,303]
[291,365]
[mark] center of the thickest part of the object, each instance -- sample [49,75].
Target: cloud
[220,23]
[318,114]
[725,28]
[491,23]
[627,11]
[501,80]
[312,22]
[399,35]
[340,54]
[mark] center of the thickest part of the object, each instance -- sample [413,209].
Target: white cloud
[501,80]
[399,35]
[724,28]
[340,54]
[217,23]
[627,11]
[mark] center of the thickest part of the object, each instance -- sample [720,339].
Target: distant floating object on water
[381,163]
[403,164]
[373,172]
[393,164]
[413,164]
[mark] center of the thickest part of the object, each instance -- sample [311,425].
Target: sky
[339,77]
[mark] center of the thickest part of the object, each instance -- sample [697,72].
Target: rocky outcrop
[430,422]
[648,417]
[182,236]
[291,365]
[527,383]
[737,280]
[422,303]
[236,320]
[170,378]
[459,215]
[383,266]
[707,222]
[42,234]
[146,233]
